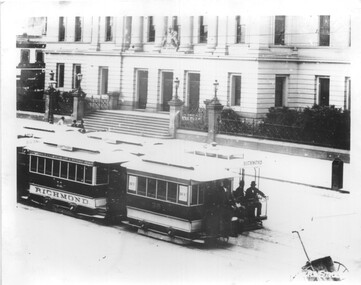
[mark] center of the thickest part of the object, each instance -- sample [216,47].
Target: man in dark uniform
[252,197]
[238,193]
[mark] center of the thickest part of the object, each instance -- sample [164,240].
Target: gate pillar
[175,107]
[78,104]
[214,109]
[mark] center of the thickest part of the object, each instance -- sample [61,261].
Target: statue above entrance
[170,39]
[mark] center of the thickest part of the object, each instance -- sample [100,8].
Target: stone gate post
[175,107]
[214,109]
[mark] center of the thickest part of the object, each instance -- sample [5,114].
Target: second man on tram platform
[252,197]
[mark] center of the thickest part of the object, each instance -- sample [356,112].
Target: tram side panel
[82,187]
[176,209]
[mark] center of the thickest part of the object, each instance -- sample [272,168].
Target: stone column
[212,22]
[118,32]
[222,48]
[186,23]
[175,107]
[160,28]
[136,43]
[95,36]
[214,109]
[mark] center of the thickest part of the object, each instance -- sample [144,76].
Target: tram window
[162,190]
[48,166]
[142,184]
[64,169]
[151,188]
[71,171]
[33,163]
[102,175]
[80,173]
[56,167]
[183,194]
[132,183]
[194,195]
[88,174]
[41,164]
[172,192]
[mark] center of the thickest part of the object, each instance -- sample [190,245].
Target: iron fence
[194,119]
[63,103]
[259,129]
[92,104]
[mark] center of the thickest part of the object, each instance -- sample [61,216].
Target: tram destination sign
[67,197]
[252,163]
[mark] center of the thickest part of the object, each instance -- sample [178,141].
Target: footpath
[299,170]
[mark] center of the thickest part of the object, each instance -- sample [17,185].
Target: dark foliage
[318,125]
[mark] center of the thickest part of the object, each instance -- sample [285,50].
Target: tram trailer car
[80,179]
[179,200]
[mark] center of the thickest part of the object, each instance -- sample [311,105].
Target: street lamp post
[215,84]
[176,85]
[78,99]
[50,92]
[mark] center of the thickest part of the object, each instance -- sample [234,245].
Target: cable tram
[79,176]
[178,198]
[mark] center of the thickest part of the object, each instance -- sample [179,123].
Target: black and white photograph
[180,142]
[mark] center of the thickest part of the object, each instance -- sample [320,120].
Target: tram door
[167,89]
[193,81]
[142,88]
[116,190]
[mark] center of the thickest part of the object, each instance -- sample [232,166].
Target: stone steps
[128,122]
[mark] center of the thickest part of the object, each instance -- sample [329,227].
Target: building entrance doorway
[193,91]
[167,89]
[142,85]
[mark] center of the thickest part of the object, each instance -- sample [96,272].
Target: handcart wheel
[339,267]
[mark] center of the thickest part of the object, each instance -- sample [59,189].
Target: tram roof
[181,167]
[80,149]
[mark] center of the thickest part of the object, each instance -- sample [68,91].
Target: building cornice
[260,58]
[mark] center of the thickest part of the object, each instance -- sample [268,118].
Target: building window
[203,30]
[324,30]
[280,91]
[76,70]
[347,100]
[280,24]
[78,29]
[60,74]
[103,84]
[108,29]
[236,90]
[61,35]
[25,56]
[240,31]
[39,56]
[151,29]
[323,90]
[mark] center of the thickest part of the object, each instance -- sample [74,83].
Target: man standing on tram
[252,197]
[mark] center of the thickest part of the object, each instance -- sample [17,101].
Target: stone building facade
[258,61]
